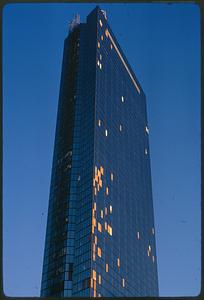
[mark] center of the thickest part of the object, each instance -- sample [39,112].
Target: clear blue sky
[162,44]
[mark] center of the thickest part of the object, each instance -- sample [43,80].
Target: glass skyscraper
[100,238]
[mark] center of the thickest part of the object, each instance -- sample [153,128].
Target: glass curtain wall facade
[100,238]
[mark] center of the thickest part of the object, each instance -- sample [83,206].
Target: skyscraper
[100,238]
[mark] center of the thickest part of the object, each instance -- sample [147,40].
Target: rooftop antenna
[74,23]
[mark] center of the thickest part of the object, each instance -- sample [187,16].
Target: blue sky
[162,44]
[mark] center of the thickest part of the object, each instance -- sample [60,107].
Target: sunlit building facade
[100,238]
